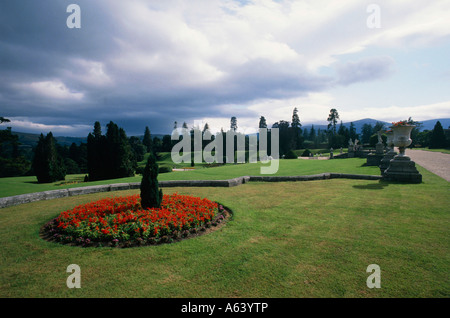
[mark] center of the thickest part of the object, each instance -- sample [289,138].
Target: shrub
[306,153]
[290,155]
[14,167]
[140,170]
[164,169]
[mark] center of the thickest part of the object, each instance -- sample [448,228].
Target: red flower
[116,216]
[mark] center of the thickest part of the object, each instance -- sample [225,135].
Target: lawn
[287,239]
[293,167]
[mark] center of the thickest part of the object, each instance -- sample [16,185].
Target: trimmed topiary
[290,155]
[306,153]
[151,195]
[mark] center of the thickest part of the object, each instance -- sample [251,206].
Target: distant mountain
[429,124]
[357,123]
[28,139]
[426,124]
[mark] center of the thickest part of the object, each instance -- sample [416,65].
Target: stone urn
[401,168]
[402,137]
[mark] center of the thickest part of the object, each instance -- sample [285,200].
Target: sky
[150,63]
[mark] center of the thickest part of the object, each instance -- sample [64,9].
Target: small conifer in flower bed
[151,195]
[122,222]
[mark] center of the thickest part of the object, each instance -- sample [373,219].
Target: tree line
[115,155]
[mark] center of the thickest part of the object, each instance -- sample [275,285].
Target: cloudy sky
[150,62]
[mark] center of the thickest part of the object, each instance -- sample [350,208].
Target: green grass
[287,167]
[21,185]
[299,239]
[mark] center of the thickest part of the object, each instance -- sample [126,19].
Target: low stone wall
[56,194]
[321,176]
[354,176]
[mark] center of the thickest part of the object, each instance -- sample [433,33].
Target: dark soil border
[50,233]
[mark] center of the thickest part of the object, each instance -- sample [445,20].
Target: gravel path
[436,162]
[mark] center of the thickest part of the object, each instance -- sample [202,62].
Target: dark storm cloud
[54,75]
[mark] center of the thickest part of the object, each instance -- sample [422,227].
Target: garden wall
[56,194]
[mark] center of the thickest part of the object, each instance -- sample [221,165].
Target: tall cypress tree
[437,139]
[147,141]
[297,131]
[295,119]
[96,154]
[119,163]
[39,163]
[233,123]
[47,164]
[151,195]
[109,156]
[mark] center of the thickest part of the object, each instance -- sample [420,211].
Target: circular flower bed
[121,221]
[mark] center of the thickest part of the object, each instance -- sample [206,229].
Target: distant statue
[380,140]
[356,145]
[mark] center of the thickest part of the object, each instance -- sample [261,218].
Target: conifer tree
[437,138]
[151,195]
[332,120]
[352,132]
[4,120]
[297,131]
[109,156]
[295,119]
[262,122]
[120,163]
[233,123]
[48,166]
[147,141]
[96,154]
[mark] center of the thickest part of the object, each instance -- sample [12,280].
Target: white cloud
[412,24]
[315,108]
[25,125]
[88,72]
[55,89]
[396,112]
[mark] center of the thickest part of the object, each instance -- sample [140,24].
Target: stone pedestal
[402,169]
[374,159]
[379,149]
[384,164]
